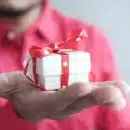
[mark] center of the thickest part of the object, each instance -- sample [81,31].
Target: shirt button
[10,36]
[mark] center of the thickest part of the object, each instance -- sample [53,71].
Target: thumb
[5,81]
[11,83]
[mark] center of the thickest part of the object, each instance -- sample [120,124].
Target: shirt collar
[45,26]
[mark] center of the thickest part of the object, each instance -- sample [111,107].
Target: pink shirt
[50,27]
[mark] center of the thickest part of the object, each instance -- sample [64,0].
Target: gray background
[113,16]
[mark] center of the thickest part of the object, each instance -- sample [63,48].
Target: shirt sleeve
[109,118]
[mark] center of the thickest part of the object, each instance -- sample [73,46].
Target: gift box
[54,68]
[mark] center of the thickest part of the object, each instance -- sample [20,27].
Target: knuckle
[105,95]
[80,89]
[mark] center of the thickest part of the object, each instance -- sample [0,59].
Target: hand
[35,105]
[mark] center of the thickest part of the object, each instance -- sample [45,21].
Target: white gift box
[49,69]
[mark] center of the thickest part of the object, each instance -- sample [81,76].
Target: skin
[34,105]
[19,15]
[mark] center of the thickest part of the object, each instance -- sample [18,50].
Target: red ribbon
[65,70]
[35,52]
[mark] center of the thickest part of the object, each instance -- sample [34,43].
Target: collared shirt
[52,26]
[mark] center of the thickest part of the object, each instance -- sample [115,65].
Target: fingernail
[119,105]
[126,86]
[124,83]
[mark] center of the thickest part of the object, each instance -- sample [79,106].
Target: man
[22,107]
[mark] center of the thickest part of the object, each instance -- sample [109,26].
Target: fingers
[108,96]
[74,93]
[66,102]
[123,86]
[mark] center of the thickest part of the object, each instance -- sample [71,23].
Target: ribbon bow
[76,36]
[35,51]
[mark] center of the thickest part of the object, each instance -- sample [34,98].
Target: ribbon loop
[41,52]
